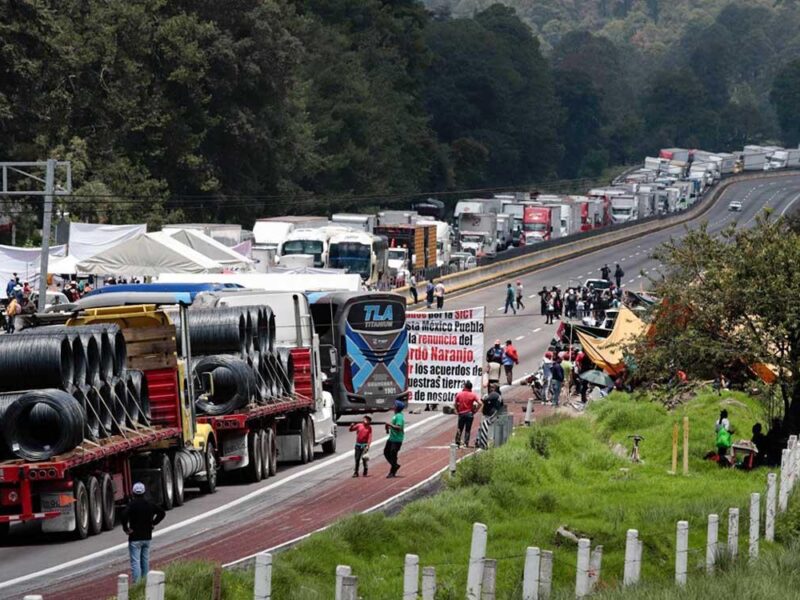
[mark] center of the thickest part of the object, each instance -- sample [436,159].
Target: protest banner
[445,349]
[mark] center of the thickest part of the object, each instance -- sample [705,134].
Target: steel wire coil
[215,331]
[116,345]
[102,396]
[268,328]
[92,422]
[254,362]
[249,328]
[43,423]
[119,405]
[286,370]
[30,362]
[276,389]
[92,353]
[137,385]
[234,384]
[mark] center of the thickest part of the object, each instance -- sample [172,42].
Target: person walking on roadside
[510,358]
[510,297]
[520,292]
[138,520]
[490,407]
[412,286]
[551,309]
[618,275]
[438,292]
[556,380]
[605,272]
[363,442]
[543,296]
[396,429]
[429,287]
[12,310]
[467,404]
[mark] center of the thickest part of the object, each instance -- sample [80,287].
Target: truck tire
[167,488]
[329,447]
[272,462]
[263,437]
[304,458]
[81,497]
[310,438]
[109,504]
[254,454]
[178,480]
[209,486]
[5,528]
[95,505]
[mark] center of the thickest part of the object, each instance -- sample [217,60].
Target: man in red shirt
[467,404]
[363,441]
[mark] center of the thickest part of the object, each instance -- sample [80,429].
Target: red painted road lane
[306,513]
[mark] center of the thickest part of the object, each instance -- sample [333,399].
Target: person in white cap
[138,520]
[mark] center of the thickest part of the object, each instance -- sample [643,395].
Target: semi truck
[355,221]
[477,233]
[503,234]
[419,240]
[624,208]
[397,217]
[540,224]
[443,241]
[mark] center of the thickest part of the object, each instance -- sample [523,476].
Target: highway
[31,561]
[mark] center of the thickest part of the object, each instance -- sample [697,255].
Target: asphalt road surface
[30,560]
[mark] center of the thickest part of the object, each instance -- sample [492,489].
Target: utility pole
[49,189]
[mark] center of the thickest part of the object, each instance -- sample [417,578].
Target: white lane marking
[631,280]
[537,330]
[622,260]
[788,206]
[318,466]
[519,337]
[638,277]
[590,272]
[533,295]
[499,309]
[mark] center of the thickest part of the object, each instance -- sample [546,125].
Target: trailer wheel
[254,452]
[209,486]
[329,447]
[178,480]
[167,489]
[81,497]
[272,463]
[5,528]
[109,505]
[95,505]
[304,458]
[311,439]
[263,437]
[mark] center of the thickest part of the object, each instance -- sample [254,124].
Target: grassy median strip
[563,472]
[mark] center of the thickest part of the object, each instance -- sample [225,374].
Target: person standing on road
[557,380]
[618,275]
[520,292]
[510,358]
[438,292]
[138,520]
[429,287]
[490,406]
[605,272]
[551,308]
[467,404]
[412,286]
[396,430]
[363,441]
[510,297]
[543,296]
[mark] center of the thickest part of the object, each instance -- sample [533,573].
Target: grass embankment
[561,472]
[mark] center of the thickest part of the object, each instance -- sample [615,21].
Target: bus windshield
[313,247]
[351,256]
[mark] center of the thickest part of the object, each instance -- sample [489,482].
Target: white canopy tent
[25,262]
[275,282]
[148,255]
[213,249]
[88,239]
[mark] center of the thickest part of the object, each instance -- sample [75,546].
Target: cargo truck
[679,154]
[397,217]
[477,233]
[356,221]
[419,240]
[754,161]
[503,234]
[624,208]
[540,224]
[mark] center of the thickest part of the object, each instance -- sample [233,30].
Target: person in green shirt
[396,430]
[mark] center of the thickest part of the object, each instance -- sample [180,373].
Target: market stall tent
[213,249]
[608,353]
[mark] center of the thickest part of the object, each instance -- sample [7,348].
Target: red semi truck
[540,223]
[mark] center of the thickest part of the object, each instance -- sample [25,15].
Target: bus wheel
[95,505]
[273,452]
[254,456]
[178,480]
[109,505]
[209,486]
[81,504]
[329,447]
[264,464]
[167,489]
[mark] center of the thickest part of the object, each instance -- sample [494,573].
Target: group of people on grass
[768,446]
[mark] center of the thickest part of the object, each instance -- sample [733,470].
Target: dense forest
[200,109]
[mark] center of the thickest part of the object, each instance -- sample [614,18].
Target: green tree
[785,97]
[726,305]
[582,123]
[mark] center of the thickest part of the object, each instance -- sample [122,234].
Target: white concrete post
[595,564]
[631,548]
[546,575]
[681,552]
[489,587]
[529,412]
[411,577]
[342,571]
[638,564]
[453,458]
[428,583]
[769,525]
[783,494]
[530,576]
[582,570]
[477,554]
[733,533]
[755,518]
[263,577]
[792,461]
[156,582]
[122,587]
[712,543]
[349,587]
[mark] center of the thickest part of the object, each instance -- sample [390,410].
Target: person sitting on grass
[724,439]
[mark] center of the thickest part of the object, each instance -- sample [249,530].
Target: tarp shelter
[25,262]
[608,353]
[275,282]
[147,255]
[66,265]
[88,239]
[213,249]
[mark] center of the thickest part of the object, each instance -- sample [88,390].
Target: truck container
[516,210]
[540,223]
[418,239]
[504,228]
[624,208]
[680,154]
[397,217]
[646,201]
[270,232]
[793,158]
[477,233]
[443,240]
[356,221]
[654,162]
[433,208]
[754,161]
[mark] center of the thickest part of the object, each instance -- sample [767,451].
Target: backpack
[724,438]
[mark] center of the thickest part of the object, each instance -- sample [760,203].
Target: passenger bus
[363,348]
[311,241]
[360,252]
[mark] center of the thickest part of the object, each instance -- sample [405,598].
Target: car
[735,206]
[597,284]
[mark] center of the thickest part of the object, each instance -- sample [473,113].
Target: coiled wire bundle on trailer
[215,331]
[35,362]
[139,397]
[111,335]
[39,424]
[234,384]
